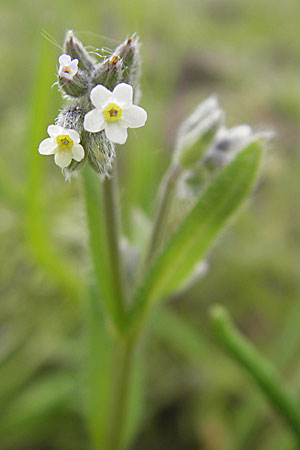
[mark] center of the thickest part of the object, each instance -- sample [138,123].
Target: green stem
[112,222]
[124,348]
[103,223]
[122,371]
[165,195]
[263,372]
[103,226]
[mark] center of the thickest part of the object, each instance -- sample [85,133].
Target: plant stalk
[104,228]
[122,373]
[112,224]
[165,195]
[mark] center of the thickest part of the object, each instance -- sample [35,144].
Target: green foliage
[199,228]
[263,372]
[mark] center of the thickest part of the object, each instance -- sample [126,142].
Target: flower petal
[100,96]
[116,132]
[63,158]
[93,121]
[73,135]
[77,152]
[65,75]
[64,60]
[73,66]
[47,146]
[55,130]
[123,94]
[134,117]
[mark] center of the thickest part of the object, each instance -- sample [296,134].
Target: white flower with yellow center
[63,144]
[114,112]
[67,67]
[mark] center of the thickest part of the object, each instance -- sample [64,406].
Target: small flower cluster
[99,106]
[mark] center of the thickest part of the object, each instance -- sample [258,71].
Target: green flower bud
[197,132]
[108,73]
[71,116]
[129,52]
[73,47]
[122,67]
[100,151]
[76,87]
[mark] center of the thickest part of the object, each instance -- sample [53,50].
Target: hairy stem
[165,195]
[103,224]
[103,228]
[263,372]
[122,373]
[112,224]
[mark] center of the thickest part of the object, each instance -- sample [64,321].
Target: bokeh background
[248,52]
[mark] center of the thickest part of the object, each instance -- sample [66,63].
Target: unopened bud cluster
[204,143]
[204,138]
[98,105]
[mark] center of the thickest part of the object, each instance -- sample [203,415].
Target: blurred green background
[247,52]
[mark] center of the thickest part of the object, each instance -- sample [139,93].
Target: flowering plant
[212,167]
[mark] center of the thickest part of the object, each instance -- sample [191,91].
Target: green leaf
[199,229]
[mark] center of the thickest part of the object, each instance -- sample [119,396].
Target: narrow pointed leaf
[199,228]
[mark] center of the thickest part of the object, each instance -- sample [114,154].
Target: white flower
[63,144]
[67,67]
[114,112]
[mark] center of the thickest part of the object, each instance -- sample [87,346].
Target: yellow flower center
[66,69]
[112,112]
[64,141]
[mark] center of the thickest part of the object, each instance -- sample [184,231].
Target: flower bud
[122,67]
[74,48]
[75,87]
[129,52]
[197,131]
[71,116]
[100,152]
[108,73]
